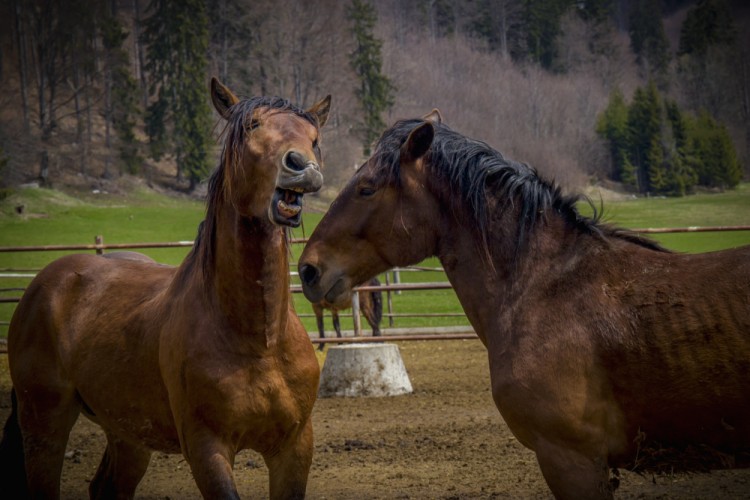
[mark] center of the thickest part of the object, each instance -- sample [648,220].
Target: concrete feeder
[369,370]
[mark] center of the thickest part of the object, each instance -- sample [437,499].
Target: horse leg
[321,325]
[121,469]
[336,323]
[12,472]
[573,475]
[289,467]
[372,318]
[211,463]
[46,414]
[376,309]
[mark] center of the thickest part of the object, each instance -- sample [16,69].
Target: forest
[647,96]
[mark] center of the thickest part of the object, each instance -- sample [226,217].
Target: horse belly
[124,405]
[685,381]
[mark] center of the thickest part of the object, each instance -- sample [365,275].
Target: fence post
[355,314]
[99,241]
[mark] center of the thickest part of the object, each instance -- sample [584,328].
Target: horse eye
[253,125]
[366,191]
[315,144]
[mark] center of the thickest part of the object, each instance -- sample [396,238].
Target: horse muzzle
[296,177]
[318,286]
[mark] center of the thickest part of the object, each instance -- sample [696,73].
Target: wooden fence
[396,287]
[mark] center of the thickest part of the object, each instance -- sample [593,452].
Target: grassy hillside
[52,218]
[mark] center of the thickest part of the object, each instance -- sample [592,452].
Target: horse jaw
[296,177]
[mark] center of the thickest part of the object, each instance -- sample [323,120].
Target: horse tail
[12,471]
[377,302]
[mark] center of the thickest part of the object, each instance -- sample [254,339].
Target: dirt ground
[446,440]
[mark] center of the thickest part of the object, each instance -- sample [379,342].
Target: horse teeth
[287,210]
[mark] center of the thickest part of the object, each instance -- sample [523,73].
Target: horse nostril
[295,161]
[309,274]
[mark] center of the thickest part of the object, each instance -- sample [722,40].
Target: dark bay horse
[605,350]
[205,359]
[370,303]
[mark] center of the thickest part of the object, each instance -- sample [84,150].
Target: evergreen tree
[230,40]
[542,27]
[124,99]
[527,29]
[648,38]
[656,167]
[644,131]
[709,23]
[499,23]
[716,160]
[178,121]
[612,125]
[682,174]
[708,60]
[658,149]
[439,16]
[375,91]
[595,10]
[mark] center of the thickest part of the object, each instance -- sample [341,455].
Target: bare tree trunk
[87,141]
[22,63]
[139,53]
[224,52]
[107,115]
[76,96]
[502,27]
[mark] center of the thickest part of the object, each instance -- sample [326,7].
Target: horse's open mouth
[286,207]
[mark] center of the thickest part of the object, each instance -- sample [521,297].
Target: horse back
[84,322]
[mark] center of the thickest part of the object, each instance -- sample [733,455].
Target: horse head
[271,155]
[385,203]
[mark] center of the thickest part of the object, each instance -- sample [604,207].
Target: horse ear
[434,116]
[418,142]
[321,109]
[222,97]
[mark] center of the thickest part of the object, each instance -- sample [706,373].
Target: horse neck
[490,282]
[248,277]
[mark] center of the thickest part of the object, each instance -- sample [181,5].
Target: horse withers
[205,359]
[370,303]
[605,350]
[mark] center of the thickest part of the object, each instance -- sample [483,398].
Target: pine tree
[612,125]
[644,132]
[716,160]
[230,40]
[648,39]
[709,23]
[375,92]
[658,178]
[542,27]
[439,16]
[123,102]
[178,121]
[708,59]
[682,173]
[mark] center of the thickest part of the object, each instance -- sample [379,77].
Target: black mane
[472,168]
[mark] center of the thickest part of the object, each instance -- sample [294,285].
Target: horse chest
[253,405]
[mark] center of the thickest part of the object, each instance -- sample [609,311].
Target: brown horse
[602,345]
[370,303]
[205,359]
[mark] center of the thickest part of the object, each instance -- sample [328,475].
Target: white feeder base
[369,370]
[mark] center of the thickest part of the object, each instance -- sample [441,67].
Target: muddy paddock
[446,440]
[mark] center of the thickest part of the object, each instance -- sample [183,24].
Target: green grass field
[52,218]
